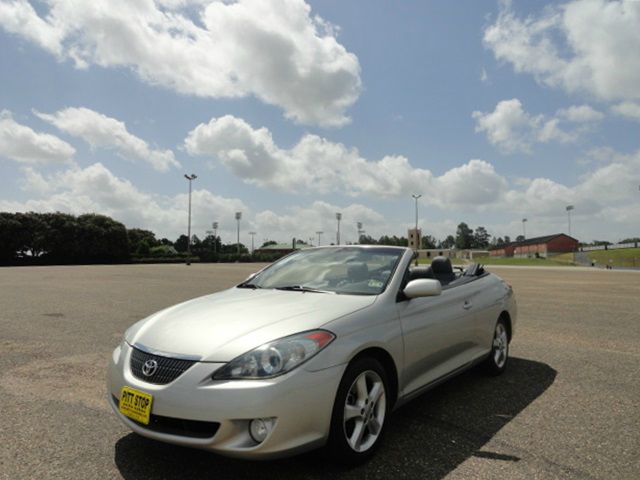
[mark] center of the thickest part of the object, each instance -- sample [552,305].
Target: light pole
[338,218]
[416,196]
[569,208]
[319,233]
[238,217]
[524,230]
[360,231]
[253,234]
[191,178]
[215,236]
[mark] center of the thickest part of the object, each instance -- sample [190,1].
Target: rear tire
[360,412]
[496,362]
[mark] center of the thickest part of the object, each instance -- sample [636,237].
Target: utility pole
[360,231]
[190,178]
[524,230]
[338,218]
[568,209]
[253,234]
[416,196]
[238,217]
[215,236]
[319,233]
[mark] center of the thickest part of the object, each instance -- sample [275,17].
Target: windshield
[350,270]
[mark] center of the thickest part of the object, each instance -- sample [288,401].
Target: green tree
[428,241]
[367,240]
[464,236]
[62,238]
[181,243]
[481,238]
[267,243]
[11,236]
[102,239]
[138,236]
[143,248]
[33,235]
[520,238]
[448,242]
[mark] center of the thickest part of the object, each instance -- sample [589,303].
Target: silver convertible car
[316,349]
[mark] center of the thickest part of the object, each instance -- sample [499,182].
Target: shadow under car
[427,438]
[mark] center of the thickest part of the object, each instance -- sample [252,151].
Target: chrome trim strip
[176,356]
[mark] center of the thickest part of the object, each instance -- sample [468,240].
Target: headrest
[423,271]
[441,265]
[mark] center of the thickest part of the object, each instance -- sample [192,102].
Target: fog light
[259,428]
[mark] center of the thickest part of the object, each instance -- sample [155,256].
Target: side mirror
[422,287]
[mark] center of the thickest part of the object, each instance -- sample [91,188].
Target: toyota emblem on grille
[149,368]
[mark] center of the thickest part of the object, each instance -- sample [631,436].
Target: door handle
[467,305]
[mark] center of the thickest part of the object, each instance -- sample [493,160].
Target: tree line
[465,238]
[60,238]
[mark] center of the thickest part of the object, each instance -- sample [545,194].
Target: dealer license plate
[135,404]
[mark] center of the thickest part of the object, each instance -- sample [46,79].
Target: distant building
[537,247]
[280,248]
[414,237]
[431,253]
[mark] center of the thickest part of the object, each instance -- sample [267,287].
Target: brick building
[537,247]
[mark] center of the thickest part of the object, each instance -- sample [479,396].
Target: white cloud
[581,46]
[22,144]
[101,131]
[627,109]
[96,189]
[580,113]
[273,50]
[317,165]
[606,201]
[510,128]
[484,78]
[304,222]
[612,185]
[34,182]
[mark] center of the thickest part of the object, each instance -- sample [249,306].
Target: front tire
[360,412]
[496,362]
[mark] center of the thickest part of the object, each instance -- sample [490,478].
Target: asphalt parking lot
[568,406]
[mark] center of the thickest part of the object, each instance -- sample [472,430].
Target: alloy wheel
[364,411]
[500,345]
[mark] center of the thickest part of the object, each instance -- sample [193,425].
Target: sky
[290,111]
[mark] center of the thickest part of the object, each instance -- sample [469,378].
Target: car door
[439,334]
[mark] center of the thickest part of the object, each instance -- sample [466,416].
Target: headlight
[277,357]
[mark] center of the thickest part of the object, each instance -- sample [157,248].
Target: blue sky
[292,111]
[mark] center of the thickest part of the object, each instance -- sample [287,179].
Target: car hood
[222,326]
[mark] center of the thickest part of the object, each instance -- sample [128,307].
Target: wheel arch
[389,365]
[504,315]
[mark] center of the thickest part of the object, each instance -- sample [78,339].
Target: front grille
[178,426]
[168,369]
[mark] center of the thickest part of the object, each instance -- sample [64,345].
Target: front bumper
[300,402]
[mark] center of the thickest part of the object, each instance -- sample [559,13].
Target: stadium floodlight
[238,217]
[253,234]
[190,178]
[568,208]
[215,236]
[416,196]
